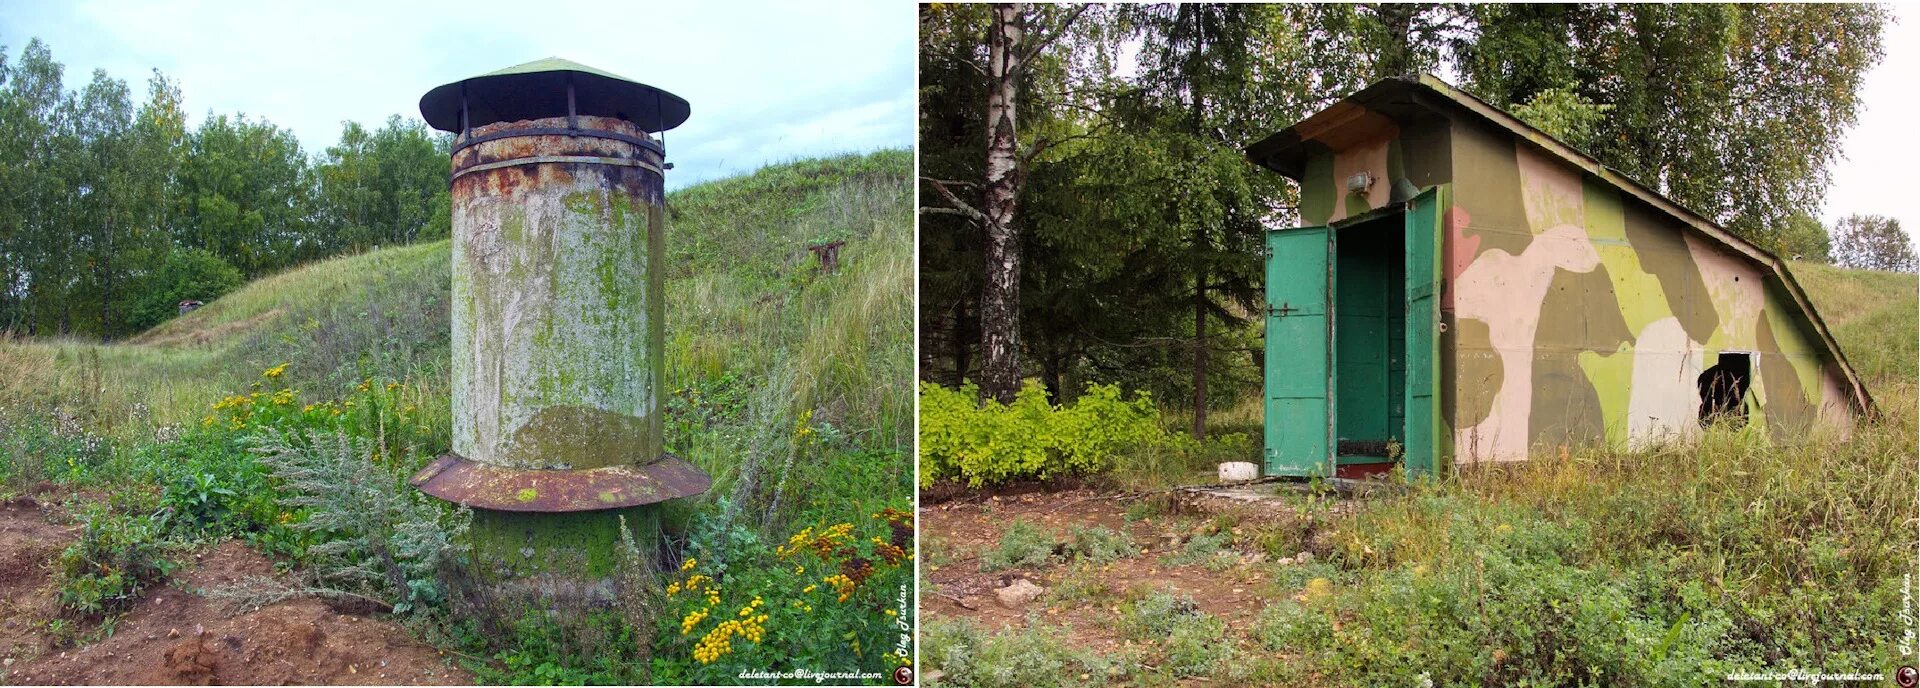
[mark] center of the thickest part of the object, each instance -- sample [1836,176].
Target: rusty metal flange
[498,488]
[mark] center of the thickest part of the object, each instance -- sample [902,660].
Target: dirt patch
[177,635]
[29,540]
[165,336]
[1235,588]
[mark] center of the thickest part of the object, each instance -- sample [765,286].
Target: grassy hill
[1874,314]
[743,299]
[792,387]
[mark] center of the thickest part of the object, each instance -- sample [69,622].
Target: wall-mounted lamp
[1360,182]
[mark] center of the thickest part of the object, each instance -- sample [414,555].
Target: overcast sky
[769,81]
[1877,175]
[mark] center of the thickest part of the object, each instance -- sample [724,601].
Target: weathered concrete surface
[558,328]
[557,298]
[537,558]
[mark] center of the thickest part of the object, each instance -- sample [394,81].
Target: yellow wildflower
[274,371]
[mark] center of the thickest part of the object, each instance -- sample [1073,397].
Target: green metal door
[1299,419]
[1422,331]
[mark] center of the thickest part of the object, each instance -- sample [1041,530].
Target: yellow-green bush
[992,443]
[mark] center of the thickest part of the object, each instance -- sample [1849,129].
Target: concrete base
[565,558]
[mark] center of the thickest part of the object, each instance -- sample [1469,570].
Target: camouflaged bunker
[1467,289]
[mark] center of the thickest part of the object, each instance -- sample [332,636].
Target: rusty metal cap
[498,488]
[539,89]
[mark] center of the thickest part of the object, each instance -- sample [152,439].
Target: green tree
[1872,242]
[382,187]
[187,274]
[1735,111]
[95,194]
[246,195]
[1804,238]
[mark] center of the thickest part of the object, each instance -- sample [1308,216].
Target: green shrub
[1023,545]
[188,273]
[1210,550]
[115,558]
[1194,641]
[1287,625]
[1038,656]
[1098,544]
[833,596]
[596,648]
[994,443]
[382,538]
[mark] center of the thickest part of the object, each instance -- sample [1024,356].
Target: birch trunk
[1000,295]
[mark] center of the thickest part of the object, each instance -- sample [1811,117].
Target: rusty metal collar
[498,488]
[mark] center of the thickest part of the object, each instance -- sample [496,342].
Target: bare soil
[178,635]
[961,528]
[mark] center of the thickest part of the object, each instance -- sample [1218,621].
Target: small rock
[1285,561]
[1303,557]
[7,662]
[199,629]
[1018,593]
[173,632]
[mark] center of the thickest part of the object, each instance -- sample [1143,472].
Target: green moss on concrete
[579,548]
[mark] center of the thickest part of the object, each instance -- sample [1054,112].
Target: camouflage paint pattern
[1575,311]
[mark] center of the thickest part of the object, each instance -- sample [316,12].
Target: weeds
[1036,655]
[1023,545]
[1098,544]
[383,539]
[1212,550]
[115,558]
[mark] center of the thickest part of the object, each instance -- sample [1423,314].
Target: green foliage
[101,262]
[833,595]
[39,444]
[187,274]
[992,443]
[1194,641]
[1211,550]
[1873,242]
[1735,111]
[1022,545]
[382,187]
[1563,114]
[599,649]
[1035,655]
[382,538]
[1099,544]
[1802,237]
[115,558]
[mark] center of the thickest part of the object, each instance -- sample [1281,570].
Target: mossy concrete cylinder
[557,296]
[558,317]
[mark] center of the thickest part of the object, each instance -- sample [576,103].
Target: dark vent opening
[1723,389]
